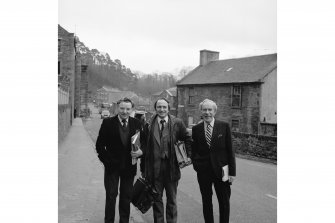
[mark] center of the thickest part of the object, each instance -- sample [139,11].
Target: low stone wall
[255,145]
[64,121]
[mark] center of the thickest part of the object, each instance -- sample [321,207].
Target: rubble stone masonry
[247,114]
[66,60]
[255,145]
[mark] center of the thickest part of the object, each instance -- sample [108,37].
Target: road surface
[254,191]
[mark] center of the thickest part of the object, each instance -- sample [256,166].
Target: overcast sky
[164,35]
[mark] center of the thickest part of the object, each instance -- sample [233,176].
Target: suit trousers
[206,179]
[111,181]
[161,183]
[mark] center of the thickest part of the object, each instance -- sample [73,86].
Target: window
[236,96]
[235,125]
[191,96]
[58,67]
[59,45]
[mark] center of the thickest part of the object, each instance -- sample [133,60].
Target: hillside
[103,70]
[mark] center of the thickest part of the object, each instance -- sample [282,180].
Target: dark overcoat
[111,151]
[220,153]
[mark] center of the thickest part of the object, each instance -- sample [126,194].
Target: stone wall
[66,55]
[255,145]
[247,114]
[64,121]
[268,129]
[67,60]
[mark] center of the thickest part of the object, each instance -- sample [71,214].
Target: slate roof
[239,70]
[157,93]
[115,96]
[171,91]
[105,88]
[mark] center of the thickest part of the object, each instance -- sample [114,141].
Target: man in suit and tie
[214,161]
[114,151]
[161,166]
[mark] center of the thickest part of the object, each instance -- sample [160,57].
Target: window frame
[191,96]
[233,128]
[236,94]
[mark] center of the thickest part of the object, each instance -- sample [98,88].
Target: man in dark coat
[161,166]
[114,151]
[214,161]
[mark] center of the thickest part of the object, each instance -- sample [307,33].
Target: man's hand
[137,153]
[225,171]
[231,179]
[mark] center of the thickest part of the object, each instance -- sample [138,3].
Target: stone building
[169,94]
[70,81]
[245,90]
[102,94]
[112,95]
[66,63]
[83,90]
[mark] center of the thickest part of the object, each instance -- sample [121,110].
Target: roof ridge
[274,67]
[238,58]
[189,74]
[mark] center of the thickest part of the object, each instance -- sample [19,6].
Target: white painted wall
[269,98]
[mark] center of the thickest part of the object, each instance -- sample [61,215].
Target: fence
[63,96]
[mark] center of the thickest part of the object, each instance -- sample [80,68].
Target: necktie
[124,123]
[208,135]
[162,127]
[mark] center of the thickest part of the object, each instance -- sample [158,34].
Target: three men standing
[114,151]
[161,166]
[214,161]
[211,151]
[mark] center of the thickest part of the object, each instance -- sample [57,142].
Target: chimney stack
[207,56]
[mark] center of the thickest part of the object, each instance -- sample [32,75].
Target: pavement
[81,192]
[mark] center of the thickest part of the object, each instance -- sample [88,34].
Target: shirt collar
[211,123]
[159,119]
[120,119]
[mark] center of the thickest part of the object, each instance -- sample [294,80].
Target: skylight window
[229,69]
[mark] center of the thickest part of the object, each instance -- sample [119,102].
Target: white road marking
[269,195]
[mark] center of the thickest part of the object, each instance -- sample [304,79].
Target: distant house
[102,94]
[143,104]
[169,94]
[112,95]
[245,90]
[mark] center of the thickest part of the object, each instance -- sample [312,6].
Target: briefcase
[144,195]
[182,158]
